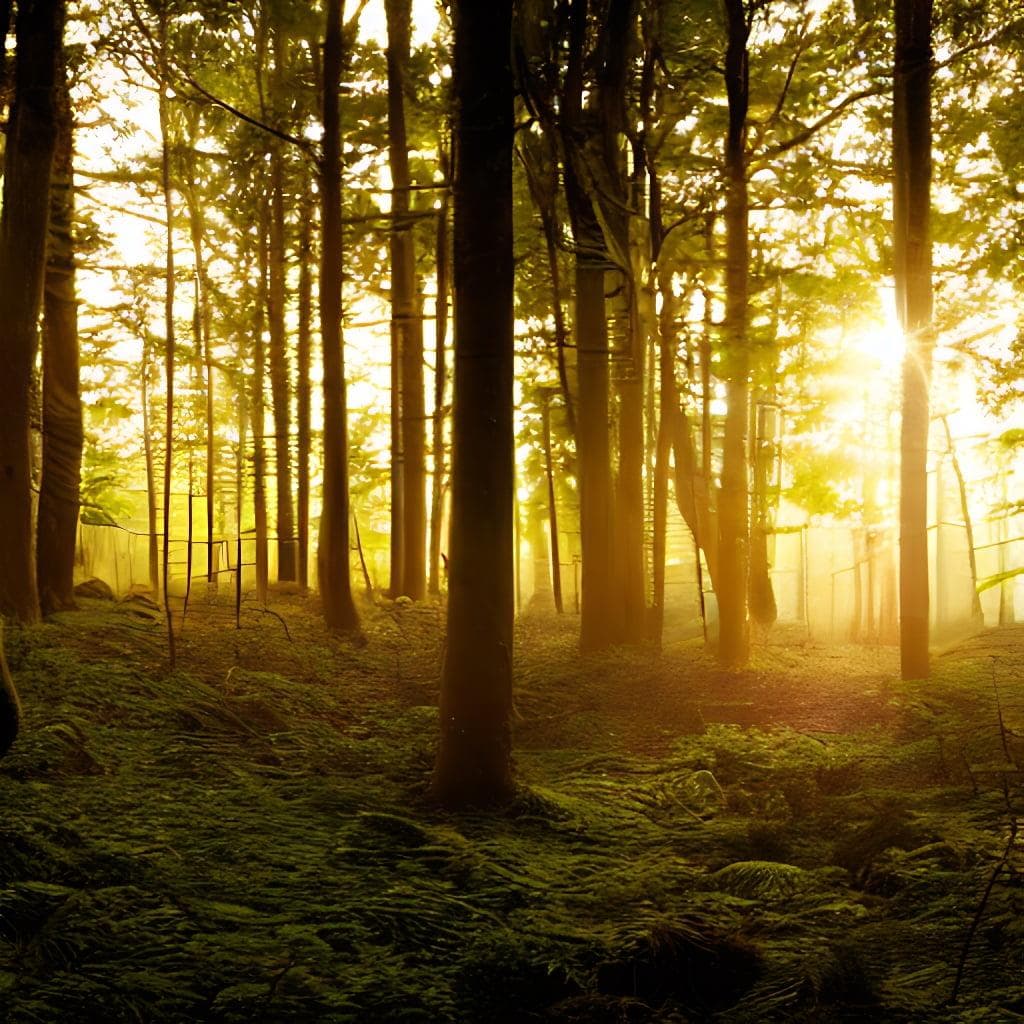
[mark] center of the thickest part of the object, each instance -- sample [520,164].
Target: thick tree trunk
[593,439]
[474,758]
[302,388]
[10,704]
[913,257]
[333,562]
[57,526]
[28,160]
[733,525]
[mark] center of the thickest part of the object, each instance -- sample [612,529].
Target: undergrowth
[250,838]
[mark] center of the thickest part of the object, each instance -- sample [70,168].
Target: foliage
[249,838]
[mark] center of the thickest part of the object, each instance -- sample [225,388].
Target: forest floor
[250,837]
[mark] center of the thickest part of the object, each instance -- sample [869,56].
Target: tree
[911,144]
[733,524]
[28,161]
[280,383]
[597,615]
[408,418]
[10,705]
[57,521]
[474,758]
[335,571]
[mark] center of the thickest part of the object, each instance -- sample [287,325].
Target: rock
[94,588]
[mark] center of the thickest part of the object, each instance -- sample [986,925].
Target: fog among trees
[511,510]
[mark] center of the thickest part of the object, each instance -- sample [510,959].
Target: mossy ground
[250,837]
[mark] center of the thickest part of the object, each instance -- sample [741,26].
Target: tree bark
[913,259]
[593,439]
[10,704]
[204,353]
[258,412]
[733,522]
[333,561]
[28,161]
[597,629]
[440,380]
[169,338]
[668,397]
[302,387]
[409,525]
[57,525]
[153,538]
[280,379]
[556,565]
[474,759]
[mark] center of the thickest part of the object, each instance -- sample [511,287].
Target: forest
[511,511]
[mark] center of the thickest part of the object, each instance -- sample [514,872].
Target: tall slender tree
[409,526]
[474,759]
[438,461]
[597,617]
[170,342]
[334,568]
[280,377]
[733,519]
[28,162]
[912,169]
[57,523]
[303,393]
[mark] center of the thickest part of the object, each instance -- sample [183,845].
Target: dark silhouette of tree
[333,556]
[28,161]
[10,705]
[733,524]
[473,762]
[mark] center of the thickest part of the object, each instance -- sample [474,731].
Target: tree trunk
[280,382]
[204,353]
[593,440]
[474,759]
[761,594]
[965,510]
[594,459]
[733,527]
[668,395]
[151,502]
[259,417]
[28,160]
[913,258]
[302,387]
[556,565]
[629,519]
[334,564]
[57,526]
[409,525]
[440,379]
[10,705]
[169,339]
